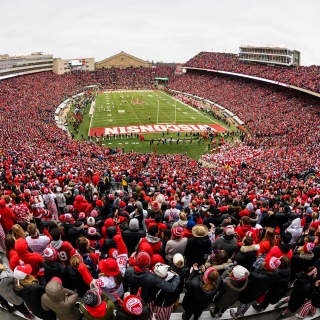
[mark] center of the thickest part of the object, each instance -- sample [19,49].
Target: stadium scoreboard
[270,55]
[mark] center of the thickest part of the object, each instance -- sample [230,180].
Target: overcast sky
[167,30]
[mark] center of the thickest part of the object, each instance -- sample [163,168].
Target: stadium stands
[272,176]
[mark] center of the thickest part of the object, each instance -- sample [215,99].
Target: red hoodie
[23,256]
[7,217]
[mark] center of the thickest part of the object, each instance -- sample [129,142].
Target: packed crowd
[94,226]
[302,77]
[279,121]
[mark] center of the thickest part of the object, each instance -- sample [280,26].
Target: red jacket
[7,217]
[25,256]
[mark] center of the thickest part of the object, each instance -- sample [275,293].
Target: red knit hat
[177,232]
[173,204]
[109,267]
[132,304]
[50,253]
[155,205]
[273,263]
[122,204]
[68,217]
[308,247]
[143,259]
[113,253]
[99,203]
[92,231]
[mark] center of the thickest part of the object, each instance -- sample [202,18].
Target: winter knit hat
[273,263]
[99,203]
[178,260]
[113,253]
[240,273]
[155,205]
[91,221]
[161,270]
[92,298]
[132,304]
[143,259]
[92,231]
[50,254]
[177,232]
[68,217]
[229,230]
[208,272]
[173,204]
[308,247]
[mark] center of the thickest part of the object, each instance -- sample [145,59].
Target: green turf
[134,108]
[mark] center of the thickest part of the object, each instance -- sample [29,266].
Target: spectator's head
[178,260]
[55,234]
[92,298]
[83,245]
[134,224]
[32,229]
[18,232]
[153,230]
[286,237]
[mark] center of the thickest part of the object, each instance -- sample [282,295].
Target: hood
[296,224]
[152,239]
[2,203]
[56,244]
[236,285]
[54,290]
[21,246]
[253,247]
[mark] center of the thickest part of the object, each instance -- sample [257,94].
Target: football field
[142,112]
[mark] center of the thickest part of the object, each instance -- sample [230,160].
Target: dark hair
[158,217]
[247,240]
[153,230]
[55,234]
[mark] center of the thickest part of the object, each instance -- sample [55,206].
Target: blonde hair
[75,261]
[27,281]
[18,232]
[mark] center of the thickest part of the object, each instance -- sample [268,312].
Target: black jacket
[196,298]
[197,249]
[148,282]
[131,238]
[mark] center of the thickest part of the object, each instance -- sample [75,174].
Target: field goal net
[162,116]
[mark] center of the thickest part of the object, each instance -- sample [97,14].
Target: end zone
[155,128]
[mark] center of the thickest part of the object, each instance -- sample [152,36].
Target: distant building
[12,66]
[122,60]
[270,55]
[61,66]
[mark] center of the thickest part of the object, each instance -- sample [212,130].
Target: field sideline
[123,112]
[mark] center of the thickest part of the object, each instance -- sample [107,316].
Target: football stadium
[146,190]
